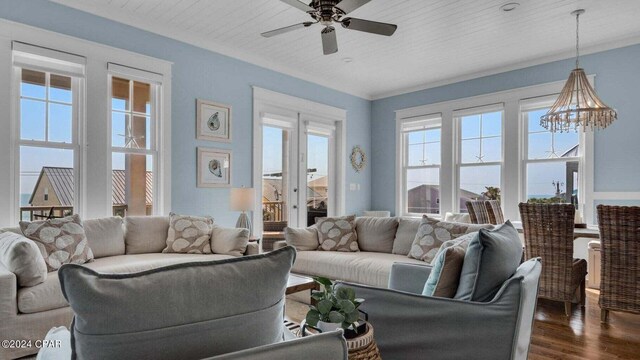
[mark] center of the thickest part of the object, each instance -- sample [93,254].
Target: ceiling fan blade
[373,27]
[286,29]
[348,6]
[329,40]
[297,4]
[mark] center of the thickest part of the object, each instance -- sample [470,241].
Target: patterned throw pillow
[432,233]
[337,233]
[189,234]
[60,241]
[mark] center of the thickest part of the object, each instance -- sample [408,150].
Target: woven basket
[364,347]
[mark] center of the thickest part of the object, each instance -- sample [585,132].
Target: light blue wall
[617,164]
[198,73]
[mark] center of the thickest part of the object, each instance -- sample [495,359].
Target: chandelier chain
[577,40]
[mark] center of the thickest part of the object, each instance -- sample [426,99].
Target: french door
[298,171]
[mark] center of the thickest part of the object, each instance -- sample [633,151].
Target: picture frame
[214,168]
[213,121]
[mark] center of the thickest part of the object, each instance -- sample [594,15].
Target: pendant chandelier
[578,104]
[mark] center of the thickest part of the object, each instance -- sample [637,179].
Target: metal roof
[61,180]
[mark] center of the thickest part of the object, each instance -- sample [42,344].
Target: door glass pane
[275,186]
[553,182]
[46,182]
[423,191]
[132,181]
[317,177]
[474,180]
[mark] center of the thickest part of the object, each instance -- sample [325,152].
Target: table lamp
[242,199]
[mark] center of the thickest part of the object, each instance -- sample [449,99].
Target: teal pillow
[491,258]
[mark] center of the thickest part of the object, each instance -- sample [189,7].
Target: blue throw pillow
[491,259]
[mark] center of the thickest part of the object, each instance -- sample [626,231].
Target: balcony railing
[32,213]
[273,210]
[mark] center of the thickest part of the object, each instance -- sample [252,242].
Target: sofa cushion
[22,257]
[189,234]
[376,234]
[60,241]
[491,258]
[48,296]
[145,234]
[229,241]
[368,268]
[337,233]
[406,233]
[105,236]
[445,275]
[212,308]
[432,233]
[15,230]
[458,217]
[302,239]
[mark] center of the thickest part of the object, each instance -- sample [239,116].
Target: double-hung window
[552,161]
[48,111]
[421,165]
[134,121]
[479,153]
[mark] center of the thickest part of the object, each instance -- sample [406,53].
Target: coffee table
[298,283]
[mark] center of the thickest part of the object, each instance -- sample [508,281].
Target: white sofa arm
[253,248]
[8,294]
[279,244]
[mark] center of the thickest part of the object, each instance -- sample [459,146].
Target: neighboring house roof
[573,152]
[61,180]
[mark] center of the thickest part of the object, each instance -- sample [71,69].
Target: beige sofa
[382,242]
[27,313]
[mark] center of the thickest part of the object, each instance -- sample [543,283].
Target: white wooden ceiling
[437,41]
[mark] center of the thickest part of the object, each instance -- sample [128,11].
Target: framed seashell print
[214,168]
[213,121]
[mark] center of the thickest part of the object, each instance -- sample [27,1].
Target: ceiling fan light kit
[578,104]
[330,12]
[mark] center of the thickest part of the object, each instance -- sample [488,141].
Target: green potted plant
[335,308]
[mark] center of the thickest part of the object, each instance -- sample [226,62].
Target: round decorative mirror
[358,158]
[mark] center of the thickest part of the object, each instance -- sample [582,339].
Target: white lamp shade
[242,199]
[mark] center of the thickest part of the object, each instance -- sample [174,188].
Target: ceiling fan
[328,12]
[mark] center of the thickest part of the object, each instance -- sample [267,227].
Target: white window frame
[457,116]
[431,121]
[49,62]
[94,178]
[537,104]
[512,188]
[155,98]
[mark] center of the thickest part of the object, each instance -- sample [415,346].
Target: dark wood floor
[582,336]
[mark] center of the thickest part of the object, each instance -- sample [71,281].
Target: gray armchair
[409,325]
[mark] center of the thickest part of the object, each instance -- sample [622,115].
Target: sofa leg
[567,308]
[583,293]
[604,315]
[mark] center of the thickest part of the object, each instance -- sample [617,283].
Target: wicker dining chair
[548,234]
[494,211]
[478,212]
[620,259]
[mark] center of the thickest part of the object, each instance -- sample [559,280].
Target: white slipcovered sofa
[119,246]
[382,242]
